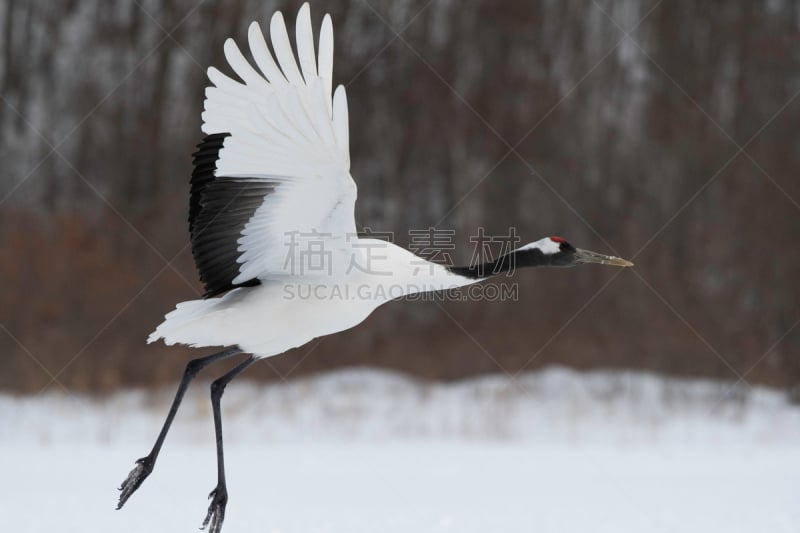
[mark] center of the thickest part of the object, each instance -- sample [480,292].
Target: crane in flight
[271,181]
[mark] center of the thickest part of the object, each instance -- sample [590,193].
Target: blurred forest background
[665,132]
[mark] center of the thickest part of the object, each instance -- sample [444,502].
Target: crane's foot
[216,511]
[139,473]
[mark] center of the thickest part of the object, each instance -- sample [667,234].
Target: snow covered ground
[369,451]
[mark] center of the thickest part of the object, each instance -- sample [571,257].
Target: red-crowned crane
[271,181]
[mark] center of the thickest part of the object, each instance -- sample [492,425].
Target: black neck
[505,264]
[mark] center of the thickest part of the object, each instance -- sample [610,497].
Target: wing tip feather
[277,18]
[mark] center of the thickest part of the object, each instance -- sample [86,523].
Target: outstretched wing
[273,173]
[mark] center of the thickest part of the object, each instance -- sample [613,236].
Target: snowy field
[368,451]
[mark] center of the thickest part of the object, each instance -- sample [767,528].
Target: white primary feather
[283,49]
[262,56]
[325,66]
[285,127]
[305,44]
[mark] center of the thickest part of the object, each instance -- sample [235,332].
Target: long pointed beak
[585,256]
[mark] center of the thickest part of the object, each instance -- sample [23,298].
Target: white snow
[371,451]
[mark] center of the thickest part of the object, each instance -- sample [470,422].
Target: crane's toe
[216,510]
[139,473]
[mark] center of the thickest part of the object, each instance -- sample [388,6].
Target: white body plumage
[285,312]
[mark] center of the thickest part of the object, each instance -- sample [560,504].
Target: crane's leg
[219,496]
[145,465]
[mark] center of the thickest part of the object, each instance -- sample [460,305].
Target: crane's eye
[564,246]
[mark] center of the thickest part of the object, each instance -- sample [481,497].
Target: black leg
[219,496]
[145,465]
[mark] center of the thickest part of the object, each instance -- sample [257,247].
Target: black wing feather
[219,209]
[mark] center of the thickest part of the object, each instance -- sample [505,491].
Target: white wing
[285,131]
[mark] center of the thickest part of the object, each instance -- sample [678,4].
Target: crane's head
[555,251]
[550,251]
